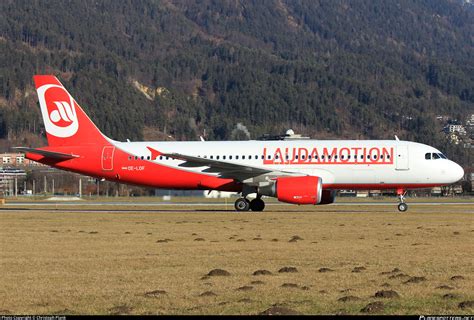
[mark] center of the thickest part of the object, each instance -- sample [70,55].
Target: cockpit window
[434,156]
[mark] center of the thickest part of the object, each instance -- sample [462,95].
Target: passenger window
[263,157]
[148,158]
[237,157]
[217,157]
[309,157]
[223,157]
[287,157]
[161,157]
[243,157]
[166,158]
[230,157]
[428,156]
[269,157]
[361,156]
[212,157]
[303,157]
[296,157]
[136,158]
[435,156]
[256,157]
[388,157]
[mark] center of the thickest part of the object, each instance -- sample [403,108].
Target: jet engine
[296,190]
[328,197]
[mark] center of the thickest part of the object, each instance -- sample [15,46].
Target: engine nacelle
[328,197]
[297,190]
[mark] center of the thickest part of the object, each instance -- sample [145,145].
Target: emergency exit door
[108,158]
[401,158]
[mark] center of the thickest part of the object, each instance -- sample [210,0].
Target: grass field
[68,260]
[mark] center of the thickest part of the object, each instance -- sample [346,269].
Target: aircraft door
[401,158]
[108,158]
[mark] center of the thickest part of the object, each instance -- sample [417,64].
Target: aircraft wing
[48,154]
[224,169]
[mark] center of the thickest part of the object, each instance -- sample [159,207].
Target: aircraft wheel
[257,204]
[242,204]
[402,207]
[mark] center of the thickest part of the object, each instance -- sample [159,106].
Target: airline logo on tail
[59,111]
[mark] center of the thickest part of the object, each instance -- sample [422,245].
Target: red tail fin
[65,122]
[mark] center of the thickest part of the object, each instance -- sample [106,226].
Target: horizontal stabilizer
[48,154]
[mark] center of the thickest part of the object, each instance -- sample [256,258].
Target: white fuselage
[340,163]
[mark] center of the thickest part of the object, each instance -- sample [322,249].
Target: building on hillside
[455,128]
[17,160]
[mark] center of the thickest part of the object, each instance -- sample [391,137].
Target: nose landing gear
[402,206]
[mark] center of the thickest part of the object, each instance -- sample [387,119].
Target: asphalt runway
[188,204]
[190,207]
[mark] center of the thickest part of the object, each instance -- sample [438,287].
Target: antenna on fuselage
[396,138]
[201,138]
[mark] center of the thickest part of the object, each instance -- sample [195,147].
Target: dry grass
[104,262]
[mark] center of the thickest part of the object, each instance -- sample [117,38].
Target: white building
[459,128]
[218,194]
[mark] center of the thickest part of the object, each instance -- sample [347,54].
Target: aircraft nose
[457,172]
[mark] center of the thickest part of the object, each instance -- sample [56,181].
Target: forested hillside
[179,69]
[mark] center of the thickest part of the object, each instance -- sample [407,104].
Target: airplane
[293,171]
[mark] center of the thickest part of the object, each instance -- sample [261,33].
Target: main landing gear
[402,206]
[243,204]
